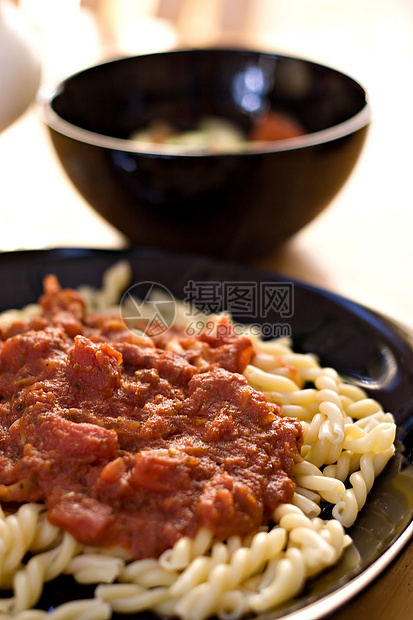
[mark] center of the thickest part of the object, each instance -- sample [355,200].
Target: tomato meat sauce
[135,442]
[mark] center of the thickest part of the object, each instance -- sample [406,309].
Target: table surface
[360,247]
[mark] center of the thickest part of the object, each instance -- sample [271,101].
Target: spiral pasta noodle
[347,441]
[18,536]
[348,438]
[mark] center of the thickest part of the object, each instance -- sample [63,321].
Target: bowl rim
[55,122]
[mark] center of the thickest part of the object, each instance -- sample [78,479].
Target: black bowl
[229,204]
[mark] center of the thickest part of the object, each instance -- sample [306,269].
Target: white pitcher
[20,67]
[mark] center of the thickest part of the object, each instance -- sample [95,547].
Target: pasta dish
[217,134]
[185,475]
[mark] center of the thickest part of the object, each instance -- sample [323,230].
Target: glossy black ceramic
[228,205]
[370,350]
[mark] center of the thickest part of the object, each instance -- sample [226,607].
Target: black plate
[366,348]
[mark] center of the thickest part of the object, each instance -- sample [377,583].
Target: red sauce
[273,126]
[136,446]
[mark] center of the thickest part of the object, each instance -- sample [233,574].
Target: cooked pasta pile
[348,439]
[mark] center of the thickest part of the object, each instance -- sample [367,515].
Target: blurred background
[360,246]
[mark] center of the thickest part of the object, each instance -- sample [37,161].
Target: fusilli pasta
[348,439]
